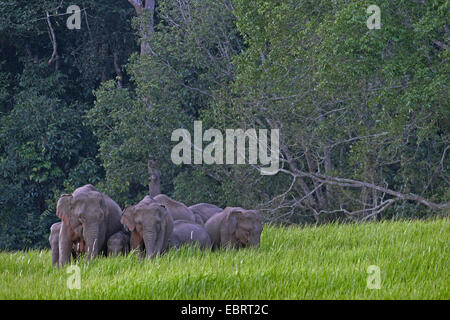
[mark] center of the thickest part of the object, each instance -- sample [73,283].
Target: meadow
[325,262]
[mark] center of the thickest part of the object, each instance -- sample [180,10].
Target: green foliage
[45,149]
[370,105]
[190,60]
[205,188]
[44,146]
[374,102]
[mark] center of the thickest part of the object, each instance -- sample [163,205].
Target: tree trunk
[117,69]
[328,169]
[316,185]
[55,55]
[147,7]
[154,183]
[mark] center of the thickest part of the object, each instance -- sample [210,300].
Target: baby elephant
[235,227]
[118,243]
[78,247]
[188,232]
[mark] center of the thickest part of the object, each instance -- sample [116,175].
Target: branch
[210,174]
[54,56]
[373,211]
[440,44]
[358,138]
[342,182]
[439,167]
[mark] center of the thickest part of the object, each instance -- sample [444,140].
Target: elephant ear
[103,205]
[256,215]
[240,220]
[232,219]
[127,218]
[63,207]
[160,214]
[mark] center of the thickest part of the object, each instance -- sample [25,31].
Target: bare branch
[343,182]
[54,56]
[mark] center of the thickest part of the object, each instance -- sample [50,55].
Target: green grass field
[326,262]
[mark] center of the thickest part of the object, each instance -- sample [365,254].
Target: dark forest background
[363,114]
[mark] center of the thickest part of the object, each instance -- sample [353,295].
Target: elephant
[78,248]
[118,243]
[88,216]
[204,211]
[150,225]
[187,232]
[176,209]
[235,227]
[198,220]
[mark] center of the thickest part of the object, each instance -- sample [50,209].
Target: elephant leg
[161,241]
[55,254]
[74,252]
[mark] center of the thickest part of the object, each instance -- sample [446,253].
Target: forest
[92,96]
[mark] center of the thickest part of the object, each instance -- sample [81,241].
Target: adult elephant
[150,225]
[235,227]
[187,232]
[204,211]
[176,209]
[87,216]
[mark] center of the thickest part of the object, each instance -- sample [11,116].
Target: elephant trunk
[64,244]
[135,240]
[150,243]
[91,238]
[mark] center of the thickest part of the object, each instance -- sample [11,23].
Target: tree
[360,111]
[188,62]
[47,73]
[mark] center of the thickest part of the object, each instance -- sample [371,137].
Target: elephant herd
[92,223]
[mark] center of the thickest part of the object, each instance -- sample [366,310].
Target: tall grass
[326,262]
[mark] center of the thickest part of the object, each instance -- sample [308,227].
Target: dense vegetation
[327,262]
[363,114]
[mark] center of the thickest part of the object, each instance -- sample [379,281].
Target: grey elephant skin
[118,243]
[87,216]
[78,248]
[235,227]
[204,211]
[187,232]
[150,225]
[178,210]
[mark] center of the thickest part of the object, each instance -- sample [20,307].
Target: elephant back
[178,210]
[205,210]
[113,214]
